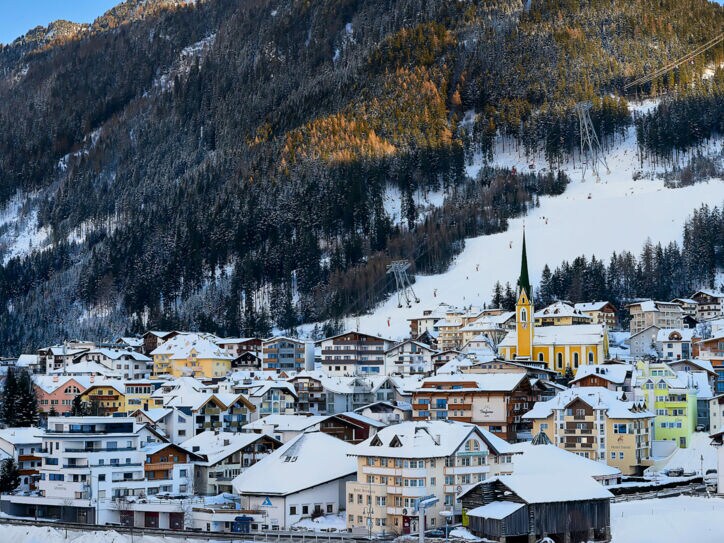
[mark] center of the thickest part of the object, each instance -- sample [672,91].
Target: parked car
[711,477]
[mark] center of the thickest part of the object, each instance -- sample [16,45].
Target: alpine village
[348,271]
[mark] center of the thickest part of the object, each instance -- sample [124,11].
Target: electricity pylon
[589,141]
[402,281]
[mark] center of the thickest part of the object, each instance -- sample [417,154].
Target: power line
[670,66]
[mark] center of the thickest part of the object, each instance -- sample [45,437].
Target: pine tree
[77,408]
[9,476]
[9,399]
[26,403]
[497,295]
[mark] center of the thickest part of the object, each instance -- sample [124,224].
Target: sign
[266,503]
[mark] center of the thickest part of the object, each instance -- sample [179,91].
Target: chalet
[409,357]
[153,339]
[600,313]
[386,412]
[248,360]
[676,343]
[616,377]
[56,392]
[710,304]
[536,507]
[235,347]
[348,427]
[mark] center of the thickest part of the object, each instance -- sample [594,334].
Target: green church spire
[523,280]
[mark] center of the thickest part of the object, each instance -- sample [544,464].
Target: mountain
[230,166]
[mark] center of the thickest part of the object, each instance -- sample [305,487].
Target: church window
[523,315]
[575,360]
[559,361]
[540,357]
[590,357]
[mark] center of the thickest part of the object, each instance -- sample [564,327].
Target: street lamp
[447,515]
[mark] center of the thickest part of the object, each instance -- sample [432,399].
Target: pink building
[58,391]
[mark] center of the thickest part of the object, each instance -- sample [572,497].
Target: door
[151,519]
[682,442]
[127,518]
[176,521]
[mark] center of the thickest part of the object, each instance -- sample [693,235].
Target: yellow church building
[561,348]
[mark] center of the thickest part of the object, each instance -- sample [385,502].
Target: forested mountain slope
[224,164]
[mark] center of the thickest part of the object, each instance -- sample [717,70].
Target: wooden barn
[525,509]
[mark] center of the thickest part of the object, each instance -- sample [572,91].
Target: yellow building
[104,398]
[562,348]
[598,424]
[560,314]
[138,394]
[190,355]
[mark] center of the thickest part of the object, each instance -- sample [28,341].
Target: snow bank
[672,520]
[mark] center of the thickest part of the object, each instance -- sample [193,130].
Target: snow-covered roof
[705,365]
[156,414]
[233,340]
[285,423]
[552,488]
[709,292]
[87,367]
[218,446]
[495,510]
[20,436]
[196,400]
[560,309]
[259,390]
[590,306]
[50,383]
[116,354]
[25,360]
[648,306]
[454,366]
[698,381]
[613,373]
[182,347]
[572,334]
[597,397]
[130,341]
[483,382]
[536,459]
[426,439]
[666,334]
[309,460]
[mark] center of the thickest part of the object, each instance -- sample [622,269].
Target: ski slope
[590,218]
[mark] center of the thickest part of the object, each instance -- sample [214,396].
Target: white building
[23,446]
[127,363]
[304,477]
[408,358]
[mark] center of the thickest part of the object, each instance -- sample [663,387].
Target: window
[101,477]
[620,456]
[330,508]
[620,429]
[613,456]
[590,357]
[292,509]
[559,360]
[305,509]
[350,498]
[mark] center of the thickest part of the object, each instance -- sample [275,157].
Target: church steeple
[525,318]
[523,280]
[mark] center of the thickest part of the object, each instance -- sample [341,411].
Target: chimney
[227,443]
[55,378]
[92,378]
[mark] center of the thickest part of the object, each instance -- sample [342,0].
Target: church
[561,348]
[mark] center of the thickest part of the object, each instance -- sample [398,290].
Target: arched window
[575,360]
[590,357]
[559,361]
[523,315]
[540,357]
[472,445]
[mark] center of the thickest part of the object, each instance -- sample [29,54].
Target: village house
[349,427]
[651,313]
[386,412]
[409,357]
[59,356]
[596,423]
[600,313]
[712,350]
[643,343]
[56,392]
[127,364]
[710,304]
[305,477]
[495,401]
[192,355]
[675,344]
[153,339]
[672,398]
[196,412]
[224,455]
[354,353]
[105,397]
[236,346]
[23,445]
[282,354]
[426,322]
[410,460]
[616,377]
[560,314]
